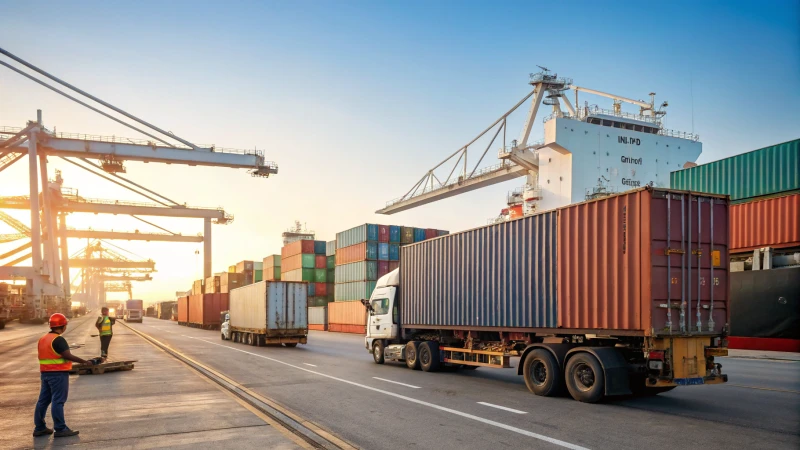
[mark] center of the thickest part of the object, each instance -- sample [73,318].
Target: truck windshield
[380,306]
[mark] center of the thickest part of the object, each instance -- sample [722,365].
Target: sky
[355,101]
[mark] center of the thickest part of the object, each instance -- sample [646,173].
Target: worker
[55,362]
[104,324]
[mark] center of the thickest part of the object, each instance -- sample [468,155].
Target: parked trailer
[134,311]
[624,294]
[205,309]
[268,312]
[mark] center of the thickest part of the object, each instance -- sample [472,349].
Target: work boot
[45,432]
[66,432]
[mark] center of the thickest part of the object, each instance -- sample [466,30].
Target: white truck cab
[383,322]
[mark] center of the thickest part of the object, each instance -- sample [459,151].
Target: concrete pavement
[160,404]
[334,383]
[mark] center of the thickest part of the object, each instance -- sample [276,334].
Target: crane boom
[647,106]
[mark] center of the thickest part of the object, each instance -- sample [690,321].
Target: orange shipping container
[183,310]
[347,313]
[626,262]
[355,329]
[290,263]
[296,248]
[351,254]
[773,222]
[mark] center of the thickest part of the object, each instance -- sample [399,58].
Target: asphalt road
[334,383]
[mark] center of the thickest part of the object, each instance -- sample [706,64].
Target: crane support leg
[62,228]
[206,248]
[53,269]
[35,293]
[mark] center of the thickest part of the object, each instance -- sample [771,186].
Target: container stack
[258,272]
[247,269]
[764,188]
[229,281]
[212,284]
[305,260]
[197,287]
[271,268]
[318,318]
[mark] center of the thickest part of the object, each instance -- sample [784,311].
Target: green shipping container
[359,271]
[258,276]
[331,276]
[353,291]
[320,275]
[299,275]
[318,301]
[272,261]
[331,262]
[767,171]
[309,261]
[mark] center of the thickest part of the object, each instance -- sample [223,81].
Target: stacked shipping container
[204,310]
[271,267]
[764,186]
[306,260]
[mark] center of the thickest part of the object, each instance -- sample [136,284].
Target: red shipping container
[183,310]
[320,289]
[297,247]
[383,233]
[773,222]
[205,309]
[393,265]
[383,268]
[321,262]
[430,233]
[617,265]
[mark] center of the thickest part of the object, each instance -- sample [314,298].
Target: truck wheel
[412,355]
[542,373]
[585,378]
[290,344]
[377,352]
[429,356]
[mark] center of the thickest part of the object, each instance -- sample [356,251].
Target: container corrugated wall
[773,222]
[355,253]
[357,235]
[183,309]
[623,259]
[353,291]
[347,313]
[330,248]
[317,315]
[501,275]
[766,171]
[270,307]
[360,271]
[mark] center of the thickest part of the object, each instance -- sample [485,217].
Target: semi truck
[268,312]
[626,294]
[134,311]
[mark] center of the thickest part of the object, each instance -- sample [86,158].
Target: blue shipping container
[394,234]
[383,251]
[419,234]
[312,289]
[320,247]
[493,276]
[372,251]
[394,252]
[372,232]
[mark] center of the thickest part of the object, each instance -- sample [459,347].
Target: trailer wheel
[290,344]
[412,355]
[542,373]
[585,378]
[250,339]
[377,352]
[429,356]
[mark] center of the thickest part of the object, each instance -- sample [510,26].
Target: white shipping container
[271,308]
[318,315]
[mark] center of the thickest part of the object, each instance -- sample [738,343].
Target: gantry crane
[100,265]
[121,287]
[520,157]
[49,273]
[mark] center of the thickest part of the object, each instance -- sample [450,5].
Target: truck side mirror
[368,305]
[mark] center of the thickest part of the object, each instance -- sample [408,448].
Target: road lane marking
[763,388]
[312,365]
[515,411]
[504,426]
[397,382]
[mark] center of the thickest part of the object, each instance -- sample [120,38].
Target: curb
[306,431]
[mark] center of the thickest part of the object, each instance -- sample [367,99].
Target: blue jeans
[55,388]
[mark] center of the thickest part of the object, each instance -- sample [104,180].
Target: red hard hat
[58,320]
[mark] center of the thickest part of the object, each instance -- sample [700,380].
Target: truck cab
[383,321]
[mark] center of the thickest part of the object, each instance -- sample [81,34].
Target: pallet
[108,366]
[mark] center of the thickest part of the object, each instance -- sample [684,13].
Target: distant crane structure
[454,175]
[101,265]
[48,276]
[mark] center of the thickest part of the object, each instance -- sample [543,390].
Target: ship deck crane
[520,158]
[48,270]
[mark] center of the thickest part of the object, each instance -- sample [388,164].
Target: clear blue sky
[356,100]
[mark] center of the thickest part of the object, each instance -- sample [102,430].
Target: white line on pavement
[397,382]
[312,365]
[414,400]
[516,411]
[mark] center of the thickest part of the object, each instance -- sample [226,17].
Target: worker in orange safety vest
[55,362]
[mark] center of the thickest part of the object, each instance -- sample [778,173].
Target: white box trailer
[268,312]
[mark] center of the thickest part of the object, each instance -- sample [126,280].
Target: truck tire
[290,344]
[429,356]
[585,378]
[542,373]
[377,352]
[412,355]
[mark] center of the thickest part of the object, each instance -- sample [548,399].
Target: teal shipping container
[353,291]
[320,275]
[258,275]
[419,234]
[394,234]
[312,289]
[330,248]
[394,252]
[331,278]
[359,271]
[317,301]
[362,233]
[309,261]
[766,171]
[331,262]
[383,251]
[320,247]
[298,275]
